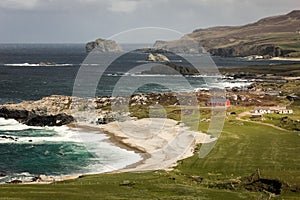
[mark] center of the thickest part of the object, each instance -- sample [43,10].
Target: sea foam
[74,143]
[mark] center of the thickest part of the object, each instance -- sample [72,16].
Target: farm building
[256,115]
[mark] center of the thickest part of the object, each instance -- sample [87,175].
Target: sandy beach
[160,142]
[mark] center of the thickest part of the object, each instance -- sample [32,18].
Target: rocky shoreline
[59,110]
[30,118]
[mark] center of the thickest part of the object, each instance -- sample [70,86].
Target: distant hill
[269,37]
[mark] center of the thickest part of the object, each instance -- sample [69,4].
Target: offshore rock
[158,58]
[172,69]
[102,45]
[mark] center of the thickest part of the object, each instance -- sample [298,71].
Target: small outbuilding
[256,115]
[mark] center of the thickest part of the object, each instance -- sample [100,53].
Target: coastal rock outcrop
[59,110]
[172,69]
[102,45]
[32,119]
[158,58]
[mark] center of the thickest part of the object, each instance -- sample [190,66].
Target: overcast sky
[79,21]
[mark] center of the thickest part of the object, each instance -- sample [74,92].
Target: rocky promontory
[102,45]
[49,111]
[31,118]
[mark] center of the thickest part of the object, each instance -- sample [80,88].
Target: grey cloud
[18,4]
[83,20]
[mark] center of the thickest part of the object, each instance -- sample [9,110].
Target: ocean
[33,71]
[21,77]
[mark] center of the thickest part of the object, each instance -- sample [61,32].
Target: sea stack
[102,45]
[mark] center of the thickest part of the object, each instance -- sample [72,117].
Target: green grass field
[278,70]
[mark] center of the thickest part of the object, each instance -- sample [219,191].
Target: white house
[273,109]
[262,110]
[285,112]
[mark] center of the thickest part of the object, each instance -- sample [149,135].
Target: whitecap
[36,65]
[107,157]
[11,124]
[24,177]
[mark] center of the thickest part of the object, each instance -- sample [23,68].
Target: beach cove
[157,149]
[145,144]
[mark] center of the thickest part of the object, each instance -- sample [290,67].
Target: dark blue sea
[33,71]
[22,78]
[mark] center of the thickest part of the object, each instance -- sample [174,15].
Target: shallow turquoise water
[27,152]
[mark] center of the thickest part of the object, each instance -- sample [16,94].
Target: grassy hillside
[278,70]
[269,37]
[272,36]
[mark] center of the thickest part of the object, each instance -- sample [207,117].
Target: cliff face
[269,37]
[102,45]
[266,50]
